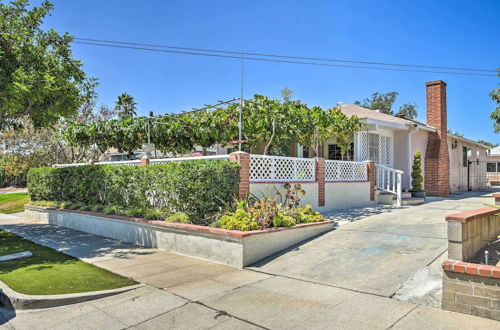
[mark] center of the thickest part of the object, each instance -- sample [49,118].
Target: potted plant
[416,175]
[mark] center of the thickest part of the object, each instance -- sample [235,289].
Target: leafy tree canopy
[271,122]
[39,79]
[385,103]
[495,115]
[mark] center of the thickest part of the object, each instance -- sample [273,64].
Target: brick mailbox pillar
[371,178]
[243,159]
[320,179]
[144,161]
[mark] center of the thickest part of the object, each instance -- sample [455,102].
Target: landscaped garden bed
[184,207]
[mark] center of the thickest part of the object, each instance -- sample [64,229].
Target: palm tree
[125,106]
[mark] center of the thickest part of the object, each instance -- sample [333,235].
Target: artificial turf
[51,272]
[13,202]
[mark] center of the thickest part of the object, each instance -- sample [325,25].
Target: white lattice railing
[340,170]
[389,180]
[137,162]
[167,160]
[281,169]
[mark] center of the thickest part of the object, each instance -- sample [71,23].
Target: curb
[15,300]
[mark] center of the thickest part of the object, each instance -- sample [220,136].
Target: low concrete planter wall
[230,247]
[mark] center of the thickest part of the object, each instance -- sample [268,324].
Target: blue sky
[457,33]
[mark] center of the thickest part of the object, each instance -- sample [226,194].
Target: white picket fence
[137,162]
[168,160]
[281,169]
[339,170]
[265,168]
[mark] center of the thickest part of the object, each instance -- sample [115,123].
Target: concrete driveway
[377,254]
[304,290]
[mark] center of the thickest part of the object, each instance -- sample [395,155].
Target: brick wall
[320,179]
[437,161]
[243,159]
[471,288]
[466,291]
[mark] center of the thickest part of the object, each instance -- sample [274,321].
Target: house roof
[365,113]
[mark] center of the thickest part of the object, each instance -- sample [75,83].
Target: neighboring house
[493,167]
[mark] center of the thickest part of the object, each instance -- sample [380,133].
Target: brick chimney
[437,160]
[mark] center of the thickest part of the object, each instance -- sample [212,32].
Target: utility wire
[282,61]
[284,56]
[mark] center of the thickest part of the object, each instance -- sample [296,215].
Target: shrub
[138,213]
[83,207]
[65,205]
[155,214]
[306,214]
[179,217]
[239,220]
[416,173]
[97,208]
[113,209]
[266,213]
[199,187]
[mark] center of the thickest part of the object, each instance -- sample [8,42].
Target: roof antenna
[240,122]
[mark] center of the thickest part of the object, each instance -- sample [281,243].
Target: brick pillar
[144,161]
[320,179]
[243,159]
[437,160]
[497,198]
[371,178]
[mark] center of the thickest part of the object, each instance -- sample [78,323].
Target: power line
[282,61]
[285,56]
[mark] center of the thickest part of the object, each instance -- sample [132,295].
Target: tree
[416,173]
[28,147]
[488,144]
[378,101]
[126,106]
[343,128]
[385,102]
[495,115]
[408,110]
[39,79]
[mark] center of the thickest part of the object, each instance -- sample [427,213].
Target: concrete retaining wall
[233,248]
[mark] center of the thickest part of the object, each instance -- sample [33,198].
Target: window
[491,167]
[373,147]
[335,153]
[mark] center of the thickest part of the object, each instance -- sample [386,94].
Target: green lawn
[13,203]
[51,272]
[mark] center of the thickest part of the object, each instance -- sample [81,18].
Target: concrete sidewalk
[186,293]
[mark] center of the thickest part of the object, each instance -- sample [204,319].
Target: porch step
[412,201]
[386,198]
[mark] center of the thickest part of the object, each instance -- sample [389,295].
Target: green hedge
[198,188]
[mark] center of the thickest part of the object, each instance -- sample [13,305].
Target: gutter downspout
[410,156]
